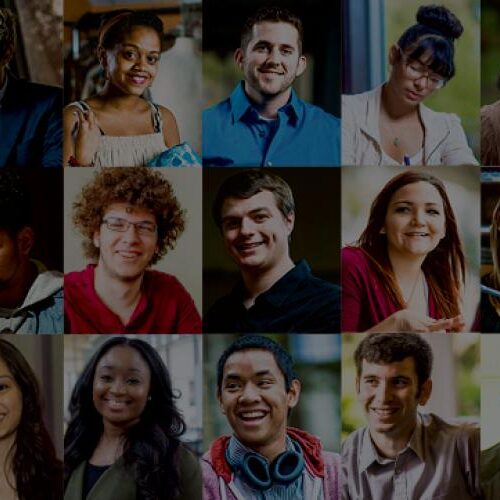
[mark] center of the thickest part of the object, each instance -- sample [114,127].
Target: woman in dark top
[30,468]
[123,437]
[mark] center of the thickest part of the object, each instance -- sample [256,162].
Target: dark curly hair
[7,32]
[139,186]
[38,472]
[385,348]
[151,446]
[117,24]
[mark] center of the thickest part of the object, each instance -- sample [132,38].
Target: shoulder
[466,433]
[319,115]
[218,110]
[38,90]
[166,115]
[79,281]
[189,474]
[323,287]
[358,102]
[353,256]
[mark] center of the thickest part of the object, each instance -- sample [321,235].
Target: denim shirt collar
[241,105]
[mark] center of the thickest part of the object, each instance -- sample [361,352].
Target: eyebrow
[139,48]
[254,211]
[412,203]
[261,373]
[111,367]
[7,376]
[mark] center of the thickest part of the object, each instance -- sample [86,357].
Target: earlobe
[425,392]
[302,65]
[25,240]
[239,57]
[96,238]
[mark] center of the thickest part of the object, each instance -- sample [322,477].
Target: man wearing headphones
[257,389]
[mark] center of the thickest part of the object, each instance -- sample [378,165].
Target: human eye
[287,51]
[133,381]
[433,211]
[230,224]
[3,387]
[153,59]
[265,383]
[105,378]
[370,381]
[232,386]
[146,227]
[116,224]
[402,209]
[260,47]
[129,54]
[400,382]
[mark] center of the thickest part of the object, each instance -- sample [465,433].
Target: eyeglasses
[143,227]
[415,70]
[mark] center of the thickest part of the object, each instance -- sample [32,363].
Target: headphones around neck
[261,475]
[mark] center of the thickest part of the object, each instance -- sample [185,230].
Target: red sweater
[364,301]
[164,307]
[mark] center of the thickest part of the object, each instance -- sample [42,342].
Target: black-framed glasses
[143,227]
[415,70]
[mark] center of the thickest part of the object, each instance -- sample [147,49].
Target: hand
[87,138]
[406,320]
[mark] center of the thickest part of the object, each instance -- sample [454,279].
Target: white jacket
[444,144]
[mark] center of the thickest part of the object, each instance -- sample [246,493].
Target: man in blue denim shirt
[263,122]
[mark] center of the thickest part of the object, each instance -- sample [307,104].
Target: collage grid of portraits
[277,176]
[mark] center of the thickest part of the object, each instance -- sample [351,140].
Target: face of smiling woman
[415,220]
[121,386]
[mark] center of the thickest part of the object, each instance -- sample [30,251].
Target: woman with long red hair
[406,271]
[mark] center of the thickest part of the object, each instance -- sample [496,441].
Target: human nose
[273,56]
[418,218]
[131,233]
[422,81]
[117,387]
[246,226]
[382,392]
[249,394]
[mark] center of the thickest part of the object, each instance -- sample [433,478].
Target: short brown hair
[139,186]
[271,15]
[385,348]
[7,31]
[248,183]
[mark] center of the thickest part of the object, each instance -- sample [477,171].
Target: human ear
[239,56]
[425,392]
[101,56]
[290,222]
[293,394]
[219,400]
[302,65]
[25,240]
[96,239]
[393,54]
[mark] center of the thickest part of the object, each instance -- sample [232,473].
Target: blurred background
[320,84]
[455,380]
[371,27]
[316,192]
[38,55]
[361,185]
[178,83]
[490,51]
[490,391]
[317,364]
[180,353]
[184,261]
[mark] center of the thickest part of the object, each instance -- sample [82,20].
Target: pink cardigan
[364,302]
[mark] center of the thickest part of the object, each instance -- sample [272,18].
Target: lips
[243,247]
[117,404]
[138,78]
[252,417]
[129,254]
[417,234]
[384,413]
[413,96]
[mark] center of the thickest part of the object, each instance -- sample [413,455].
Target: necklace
[413,288]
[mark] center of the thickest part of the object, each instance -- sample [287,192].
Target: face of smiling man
[390,396]
[271,61]
[254,399]
[255,231]
[125,255]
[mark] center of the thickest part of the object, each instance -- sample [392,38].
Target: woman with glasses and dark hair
[30,468]
[123,439]
[389,125]
[406,271]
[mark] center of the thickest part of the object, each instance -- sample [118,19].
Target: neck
[271,450]
[268,105]
[392,106]
[115,97]
[390,446]
[405,269]
[260,280]
[118,294]
[14,291]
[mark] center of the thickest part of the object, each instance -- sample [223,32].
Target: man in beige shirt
[403,454]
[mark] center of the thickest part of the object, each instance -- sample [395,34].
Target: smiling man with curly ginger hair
[129,218]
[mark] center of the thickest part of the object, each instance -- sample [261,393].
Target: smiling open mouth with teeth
[384,412]
[250,416]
